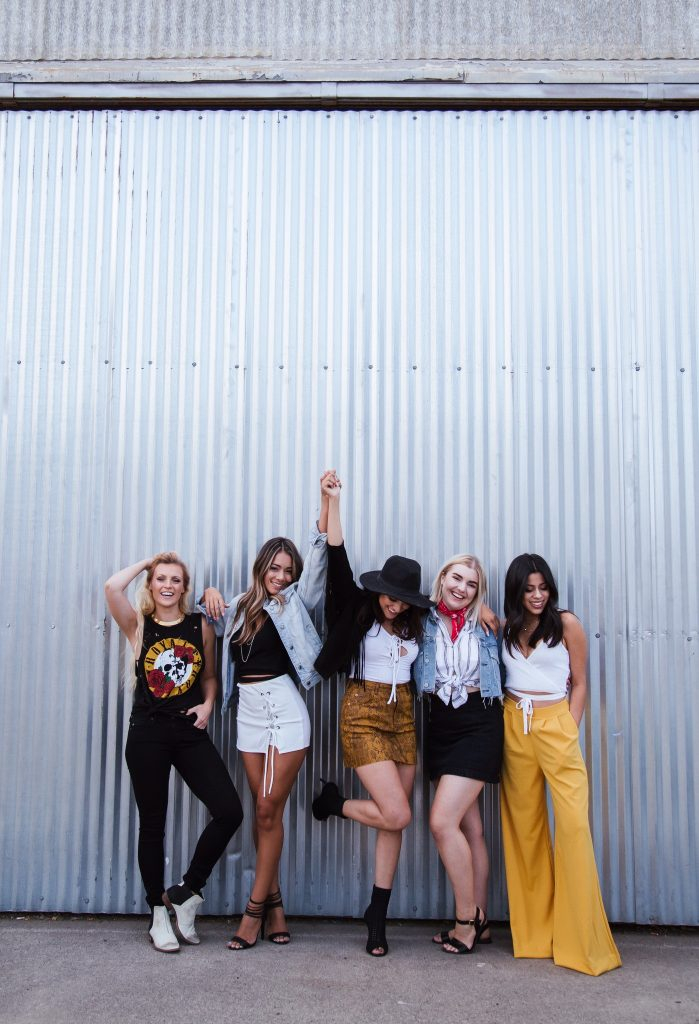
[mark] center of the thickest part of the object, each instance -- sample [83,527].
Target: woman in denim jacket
[268,642]
[459,670]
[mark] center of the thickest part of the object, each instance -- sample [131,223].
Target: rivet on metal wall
[592,369]
[681,369]
[194,364]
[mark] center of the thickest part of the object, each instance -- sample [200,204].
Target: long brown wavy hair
[250,610]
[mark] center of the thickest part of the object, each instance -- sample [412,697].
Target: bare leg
[453,798]
[472,828]
[389,786]
[269,811]
[388,807]
[388,843]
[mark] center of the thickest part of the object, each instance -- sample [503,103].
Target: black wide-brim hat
[400,579]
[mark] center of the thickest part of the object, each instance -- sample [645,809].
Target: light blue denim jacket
[292,621]
[425,665]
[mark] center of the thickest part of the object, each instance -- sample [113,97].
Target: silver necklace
[242,656]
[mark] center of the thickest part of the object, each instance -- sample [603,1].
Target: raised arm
[341,588]
[576,642]
[120,608]
[311,584]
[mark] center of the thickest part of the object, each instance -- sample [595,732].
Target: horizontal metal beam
[348,94]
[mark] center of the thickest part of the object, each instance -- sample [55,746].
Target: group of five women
[383,636]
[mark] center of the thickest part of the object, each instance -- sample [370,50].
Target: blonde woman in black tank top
[174,692]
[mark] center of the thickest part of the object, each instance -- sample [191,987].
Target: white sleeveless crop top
[543,675]
[383,662]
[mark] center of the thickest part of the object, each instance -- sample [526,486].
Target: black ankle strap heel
[273,902]
[255,909]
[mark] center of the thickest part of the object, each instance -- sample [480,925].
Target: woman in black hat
[373,638]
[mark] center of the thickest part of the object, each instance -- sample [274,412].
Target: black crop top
[265,655]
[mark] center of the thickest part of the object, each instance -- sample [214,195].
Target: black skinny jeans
[155,744]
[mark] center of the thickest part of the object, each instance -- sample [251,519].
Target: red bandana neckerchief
[458,619]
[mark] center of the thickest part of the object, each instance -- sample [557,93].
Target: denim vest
[425,665]
[292,621]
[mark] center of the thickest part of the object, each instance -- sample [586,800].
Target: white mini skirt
[271,713]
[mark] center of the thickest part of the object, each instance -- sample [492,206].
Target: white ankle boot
[185,911]
[161,933]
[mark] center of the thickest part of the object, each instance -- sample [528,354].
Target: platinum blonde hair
[473,610]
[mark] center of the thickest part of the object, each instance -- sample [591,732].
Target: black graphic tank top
[169,668]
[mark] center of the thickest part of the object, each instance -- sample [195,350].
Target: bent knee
[231,819]
[397,818]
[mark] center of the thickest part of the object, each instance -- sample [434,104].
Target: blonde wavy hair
[145,605]
[471,562]
[250,610]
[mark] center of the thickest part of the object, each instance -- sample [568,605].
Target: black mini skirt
[465,741]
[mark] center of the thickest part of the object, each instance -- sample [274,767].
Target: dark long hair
[407,626]
[251,608]
[550,628]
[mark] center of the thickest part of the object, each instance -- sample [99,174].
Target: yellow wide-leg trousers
[556,905]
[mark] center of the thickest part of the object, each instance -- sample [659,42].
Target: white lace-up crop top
[383,661]
[543,675]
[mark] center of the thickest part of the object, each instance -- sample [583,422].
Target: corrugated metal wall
[327,30]
[486,321]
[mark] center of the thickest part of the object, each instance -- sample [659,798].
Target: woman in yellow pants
[556,906]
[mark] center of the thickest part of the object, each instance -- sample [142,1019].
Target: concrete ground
[64,969]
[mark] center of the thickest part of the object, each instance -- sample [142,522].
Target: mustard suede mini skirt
[373,730]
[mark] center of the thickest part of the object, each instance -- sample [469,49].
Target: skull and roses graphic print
[170,664]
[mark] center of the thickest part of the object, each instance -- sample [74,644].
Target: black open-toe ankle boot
[375,920]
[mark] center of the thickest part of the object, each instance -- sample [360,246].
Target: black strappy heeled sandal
[443,937]
[273,901]
[255,909]
[459,947]
[485,925]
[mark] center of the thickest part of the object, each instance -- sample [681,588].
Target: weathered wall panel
[328,30]
[486,321]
